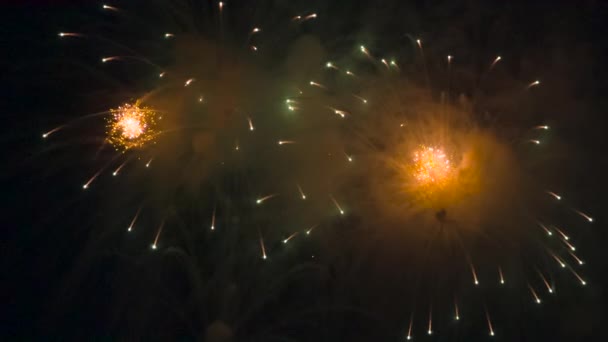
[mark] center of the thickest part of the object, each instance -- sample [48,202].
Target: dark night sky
[45,243]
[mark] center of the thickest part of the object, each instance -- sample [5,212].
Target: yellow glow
[131,126]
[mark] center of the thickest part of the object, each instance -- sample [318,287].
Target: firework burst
[131,126]
[266,159]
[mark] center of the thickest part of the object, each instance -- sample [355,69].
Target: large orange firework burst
[131,126]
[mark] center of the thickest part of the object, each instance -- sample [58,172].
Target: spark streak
[46,134]
[285,142]
[301,192]
[566,237]
[556,196]
[550,233]
[134,219]
[251,128]
[536,298]
[86,185]
[549,287]
[262,199]
[169,35]
[290,237]
[430,325]
[110,8]
[213,219]
[315,84]
[309,230]
[542,127]
[360,98]
[70,34]
[263,248]
[409,329]
[189,81]
[578,277]
[115,173]
[456,311]
[580,262]
[559,261]
[490,328]
[149,161]
[496,60]
[570,246]
[337,205]
[473,272]
[160,229]
[587,217]
[535,83]
[502,278]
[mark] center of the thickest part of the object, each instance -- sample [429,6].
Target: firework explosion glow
[131,126]
[251,158]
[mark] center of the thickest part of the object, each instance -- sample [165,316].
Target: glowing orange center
[431,166]
[131,125]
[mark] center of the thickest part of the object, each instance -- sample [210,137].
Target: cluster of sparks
[431,166]
[132,126]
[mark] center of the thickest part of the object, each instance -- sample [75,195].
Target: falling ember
[502,278]
[536,298]
[385,63]
[337,205]
[550,233]
[496,60]
[587,217]
[284,142]
[189,81]
[542,127]
[559,261]
[549,287]
[578,277]
[310,229]
[340,112]
[490,328]
[46,134]
[111,8]
[364,50]
[131,126]
[134,219]
[330,65]
[301,192]
[535,83]
[419,42]
[409,329]
[360,98]
[115,173]
[169,35]
[580,262]
[556,196]
[534,141]
[310,16]
[162,74]
[570,246]
[263,247]
[430,327]
[149,161]
[86,185]
[213,219]
[220,5]
[160,229]
[251,128]
[313,83]
[262,199]
[108,59]
[456,311]
[564,236]
[290,237]
[69,34]
[474,273]
[255,30]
